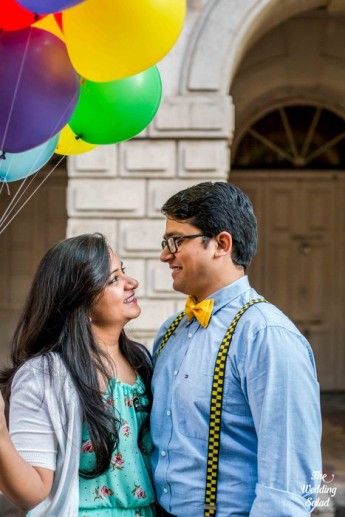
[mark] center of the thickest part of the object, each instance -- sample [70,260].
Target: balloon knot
[3,155]
[37,17]
[78,137]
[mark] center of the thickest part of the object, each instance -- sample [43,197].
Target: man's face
[192,264]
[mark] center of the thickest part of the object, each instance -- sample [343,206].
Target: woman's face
[117,303]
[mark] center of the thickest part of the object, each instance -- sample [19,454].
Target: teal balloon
[17,166]
[114,111]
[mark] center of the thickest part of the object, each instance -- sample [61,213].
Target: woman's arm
[28,447]
[25,485]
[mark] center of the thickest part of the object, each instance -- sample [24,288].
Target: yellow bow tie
[201,311]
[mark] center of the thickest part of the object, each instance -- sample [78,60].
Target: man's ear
[223,244]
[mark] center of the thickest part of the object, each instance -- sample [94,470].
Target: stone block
[141,238]
[194,116]
[135,268]
[100,162]
[79,226]
[159,280]
[106,198]
[203,159]
[159,191]
[153,314]
[145,158]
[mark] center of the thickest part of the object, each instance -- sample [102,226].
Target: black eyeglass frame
[172,243]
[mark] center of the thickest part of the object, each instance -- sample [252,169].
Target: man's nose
[165,254]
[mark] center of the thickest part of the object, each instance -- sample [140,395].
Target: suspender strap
[173,326]
[216,413]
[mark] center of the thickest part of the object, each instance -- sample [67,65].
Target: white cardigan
[45,426]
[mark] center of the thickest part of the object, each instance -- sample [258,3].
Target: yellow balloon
[113,39]
[49,24]
[68,143]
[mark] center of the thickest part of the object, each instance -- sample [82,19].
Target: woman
[78,391]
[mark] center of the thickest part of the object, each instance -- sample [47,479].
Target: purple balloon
[47,6]
[38,88]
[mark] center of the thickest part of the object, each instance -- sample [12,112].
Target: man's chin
[179,287]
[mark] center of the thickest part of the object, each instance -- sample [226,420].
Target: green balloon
[117,110]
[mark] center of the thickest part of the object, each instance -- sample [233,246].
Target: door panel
[301,260]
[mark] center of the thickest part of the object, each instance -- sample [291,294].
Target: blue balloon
[17,166]
[47,6]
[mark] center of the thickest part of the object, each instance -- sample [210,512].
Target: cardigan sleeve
[30,423]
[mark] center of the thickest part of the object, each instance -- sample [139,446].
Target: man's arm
[283,395]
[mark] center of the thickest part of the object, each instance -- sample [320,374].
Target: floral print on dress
[125,429]
[87,446]
[117,461]
[102,492]
[110,402]
[138,492]
[129,401]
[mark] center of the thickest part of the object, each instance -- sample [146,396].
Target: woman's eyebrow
[118,269]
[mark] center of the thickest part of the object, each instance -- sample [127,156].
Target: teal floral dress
[125,490]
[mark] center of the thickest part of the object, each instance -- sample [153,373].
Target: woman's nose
[132,283]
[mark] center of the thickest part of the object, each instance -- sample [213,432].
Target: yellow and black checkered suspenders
[216,413]
[215,404]
[173,326]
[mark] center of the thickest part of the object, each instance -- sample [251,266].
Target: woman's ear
[223,244]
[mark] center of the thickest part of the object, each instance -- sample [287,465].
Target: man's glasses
[172,243]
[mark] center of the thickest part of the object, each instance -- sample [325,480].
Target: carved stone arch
[224,32]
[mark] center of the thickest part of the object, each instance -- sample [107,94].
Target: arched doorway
[40,223]
[290,161]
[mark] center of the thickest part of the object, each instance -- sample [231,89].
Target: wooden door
[299,260]
[41,223]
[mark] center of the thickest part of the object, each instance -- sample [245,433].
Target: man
[236,429]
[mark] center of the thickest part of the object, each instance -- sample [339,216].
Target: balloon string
[14,202]
[3,227]
[16,89]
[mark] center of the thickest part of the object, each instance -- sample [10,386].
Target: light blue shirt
[271,424]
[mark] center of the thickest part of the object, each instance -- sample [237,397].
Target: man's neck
[219,283]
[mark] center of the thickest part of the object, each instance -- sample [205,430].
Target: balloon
[50,24]
[118,110]
[17,166]
[121,38]
[69,143]
[14,17]
[48,6]
[38,88]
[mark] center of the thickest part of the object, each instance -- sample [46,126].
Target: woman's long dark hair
[56,318]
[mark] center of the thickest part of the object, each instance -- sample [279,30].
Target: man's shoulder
[265,315]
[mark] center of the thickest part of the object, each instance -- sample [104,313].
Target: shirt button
[163,453]
[175,372]
[168,412]
[190,335]
[165,490]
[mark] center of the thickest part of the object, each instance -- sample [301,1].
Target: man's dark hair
[214,208]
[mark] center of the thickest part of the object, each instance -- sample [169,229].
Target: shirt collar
[229,293]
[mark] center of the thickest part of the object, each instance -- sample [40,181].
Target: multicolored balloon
[118,110]
[48,6]
[70,144]
[121,37]
[14,17]
[38,88]
[17,166]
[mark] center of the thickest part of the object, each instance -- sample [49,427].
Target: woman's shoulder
[38,369]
